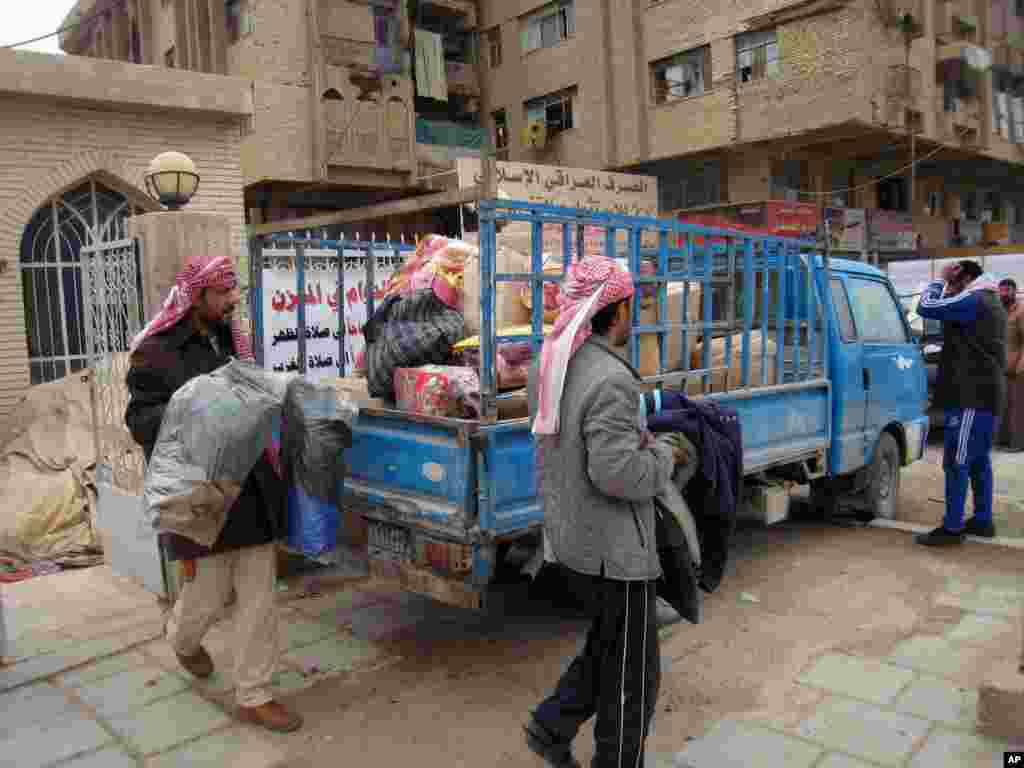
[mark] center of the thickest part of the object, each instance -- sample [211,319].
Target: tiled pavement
[89,682]
[910,709]
[102,690]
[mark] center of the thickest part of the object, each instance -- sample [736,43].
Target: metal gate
[113,314]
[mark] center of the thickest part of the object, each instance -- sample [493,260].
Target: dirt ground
[465,683]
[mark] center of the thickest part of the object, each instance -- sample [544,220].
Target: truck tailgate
[418,471]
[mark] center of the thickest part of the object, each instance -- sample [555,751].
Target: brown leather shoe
[200,664]
[272,716]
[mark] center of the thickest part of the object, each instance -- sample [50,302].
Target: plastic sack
[213,432]
[316,428]
[406,332]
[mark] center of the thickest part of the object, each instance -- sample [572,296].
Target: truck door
[849,397]
[892,370]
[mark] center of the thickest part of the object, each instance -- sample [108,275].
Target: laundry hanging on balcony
[431,81]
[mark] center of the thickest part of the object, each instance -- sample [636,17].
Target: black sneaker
[983,530]
[542,743]
[940,537]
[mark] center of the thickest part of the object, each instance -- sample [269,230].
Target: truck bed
[442,475]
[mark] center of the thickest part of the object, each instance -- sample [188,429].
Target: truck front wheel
[884,479]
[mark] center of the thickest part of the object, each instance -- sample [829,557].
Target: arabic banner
[892,231]
[281,322]
[323,320]
[596,191]
[599,191]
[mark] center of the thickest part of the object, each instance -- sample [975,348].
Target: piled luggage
[423,343]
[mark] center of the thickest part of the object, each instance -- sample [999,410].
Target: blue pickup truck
[838,404]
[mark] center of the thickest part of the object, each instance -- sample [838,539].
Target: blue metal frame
[711,264]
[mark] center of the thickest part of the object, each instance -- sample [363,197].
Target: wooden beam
[402,207]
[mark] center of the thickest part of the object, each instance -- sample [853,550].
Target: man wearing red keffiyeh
[195,333]
[598,471]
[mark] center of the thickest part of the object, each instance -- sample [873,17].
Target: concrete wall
[280,146]
[51,145]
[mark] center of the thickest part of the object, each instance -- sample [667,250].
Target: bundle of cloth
[429,306]
[214,431]
[714,491]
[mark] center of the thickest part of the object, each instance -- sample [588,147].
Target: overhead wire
[84,20]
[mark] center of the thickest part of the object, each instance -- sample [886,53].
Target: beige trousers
[252,571]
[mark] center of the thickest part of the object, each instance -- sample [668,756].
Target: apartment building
[733,106]
[338,119]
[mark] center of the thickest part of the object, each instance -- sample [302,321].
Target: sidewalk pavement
[923,498]
[93,685]
[89,681]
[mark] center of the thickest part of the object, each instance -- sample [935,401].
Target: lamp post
[171,179]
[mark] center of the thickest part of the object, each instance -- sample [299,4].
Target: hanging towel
[431,82]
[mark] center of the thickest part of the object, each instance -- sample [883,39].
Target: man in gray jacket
[598,471]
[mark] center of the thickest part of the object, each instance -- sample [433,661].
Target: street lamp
[172,179]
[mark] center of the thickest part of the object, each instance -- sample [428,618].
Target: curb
[916,528]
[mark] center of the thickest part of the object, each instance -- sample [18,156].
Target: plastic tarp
[213,432]
[316,428]
[47,476]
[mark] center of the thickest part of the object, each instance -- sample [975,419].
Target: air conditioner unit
[535,135]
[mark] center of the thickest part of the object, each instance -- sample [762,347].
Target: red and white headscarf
[200,272]
[590,286]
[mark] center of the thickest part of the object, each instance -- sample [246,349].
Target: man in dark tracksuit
[971,388]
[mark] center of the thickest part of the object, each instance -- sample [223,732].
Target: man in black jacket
[971,388]
[195,334]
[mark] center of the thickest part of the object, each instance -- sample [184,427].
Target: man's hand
[681,452]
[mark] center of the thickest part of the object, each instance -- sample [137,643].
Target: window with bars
[53,290]
[549,26]
[693,185]
[493,39]
[682,75]
[554,110]
[757,55]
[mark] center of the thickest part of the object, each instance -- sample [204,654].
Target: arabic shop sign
[891,230]
[324,327]
[593,191]
[598,191]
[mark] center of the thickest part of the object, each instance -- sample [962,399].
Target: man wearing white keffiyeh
[598,471]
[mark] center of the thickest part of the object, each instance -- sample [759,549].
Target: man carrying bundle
[194,334]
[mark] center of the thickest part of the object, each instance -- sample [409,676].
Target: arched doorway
[85,217]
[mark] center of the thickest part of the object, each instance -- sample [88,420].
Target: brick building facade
[723,102]
[78,135]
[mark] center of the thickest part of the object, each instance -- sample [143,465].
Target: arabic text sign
[281,319]
[323,324]
[602,191]
[892,230]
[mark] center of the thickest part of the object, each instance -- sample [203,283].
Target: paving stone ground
[91,686]
[90,683]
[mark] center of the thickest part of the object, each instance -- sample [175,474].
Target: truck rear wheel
[884,479]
